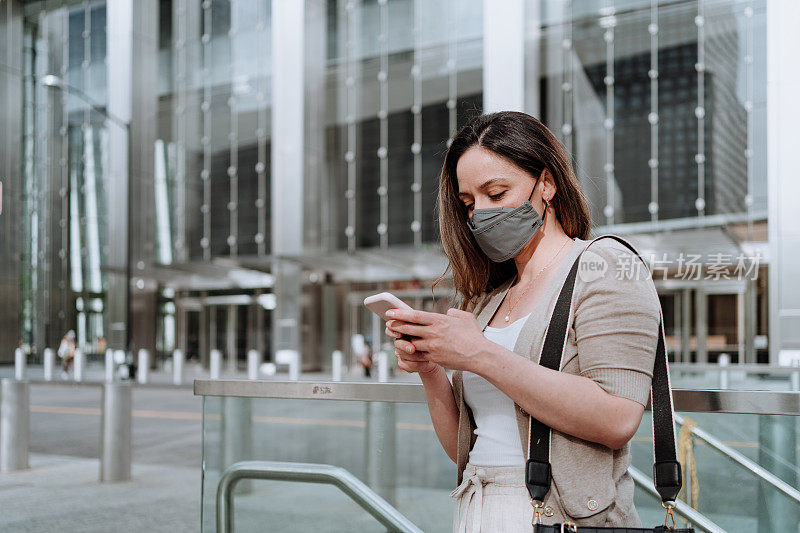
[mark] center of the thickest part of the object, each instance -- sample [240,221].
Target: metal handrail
[684,400]
[749,465]
[306,473]
[683,509]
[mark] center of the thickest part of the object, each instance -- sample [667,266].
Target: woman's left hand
[452,340]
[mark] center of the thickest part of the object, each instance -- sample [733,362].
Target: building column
[503,56]
[231,337]
[686,326]
[287,168]
[701,324]
[132,74]
[750,315]
[783,167]
[10,175]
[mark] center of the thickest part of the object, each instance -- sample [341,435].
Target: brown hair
[526,142]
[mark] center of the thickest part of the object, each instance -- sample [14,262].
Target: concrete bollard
[79,363]
[20,363]
[214,364]
[109,366]
[177,367]
[253,360]
[794,380]
[143,366]
[291,358]
[336,365]
[724,378]
[14,425]
[383,367]
[115,433]
[49,363]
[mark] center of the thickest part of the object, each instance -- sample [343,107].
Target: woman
[509,262]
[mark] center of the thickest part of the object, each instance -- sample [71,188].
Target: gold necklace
[508,316]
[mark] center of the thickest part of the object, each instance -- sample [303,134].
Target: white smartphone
[382,302]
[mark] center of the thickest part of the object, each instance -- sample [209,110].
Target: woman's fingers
[390,332]
[410,357]
[415,330]
[404,345]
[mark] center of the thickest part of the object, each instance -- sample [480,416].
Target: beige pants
[492,499]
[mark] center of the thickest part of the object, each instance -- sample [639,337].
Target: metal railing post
[115,433]
[353,487]
[49,363]
[14,425]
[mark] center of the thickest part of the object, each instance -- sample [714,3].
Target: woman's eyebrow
[485,185]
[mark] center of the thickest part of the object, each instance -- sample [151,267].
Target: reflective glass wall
[661,104]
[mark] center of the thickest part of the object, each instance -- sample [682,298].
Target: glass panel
[389,446]
[725,492]
[410,469]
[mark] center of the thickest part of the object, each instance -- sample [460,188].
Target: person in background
[66,351]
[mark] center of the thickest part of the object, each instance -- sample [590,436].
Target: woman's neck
[540,252]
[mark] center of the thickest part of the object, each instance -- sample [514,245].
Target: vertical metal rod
[14,425]
[115,433]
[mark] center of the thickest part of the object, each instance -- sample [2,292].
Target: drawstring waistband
[475,479]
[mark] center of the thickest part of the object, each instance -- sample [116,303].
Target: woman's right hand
[410,362]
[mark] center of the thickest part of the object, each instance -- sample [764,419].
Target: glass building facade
[284,159]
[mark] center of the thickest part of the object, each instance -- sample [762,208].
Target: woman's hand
[452,340]
[411,362]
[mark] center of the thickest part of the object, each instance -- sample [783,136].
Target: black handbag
[666,468]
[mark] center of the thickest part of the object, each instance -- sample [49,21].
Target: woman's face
[487,180]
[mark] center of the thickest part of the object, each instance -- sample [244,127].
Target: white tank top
[497,442]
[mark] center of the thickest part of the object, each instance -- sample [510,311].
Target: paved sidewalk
[61,493]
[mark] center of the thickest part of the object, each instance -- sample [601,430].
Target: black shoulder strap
[666,468]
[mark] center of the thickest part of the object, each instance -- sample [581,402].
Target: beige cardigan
[612,336]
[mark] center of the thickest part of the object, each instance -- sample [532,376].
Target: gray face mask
[502,232]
